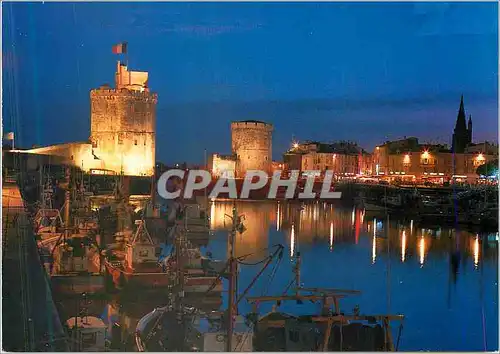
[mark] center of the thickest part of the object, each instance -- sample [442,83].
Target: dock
[30,319]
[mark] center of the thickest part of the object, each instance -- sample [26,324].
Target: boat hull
[193,284]
[77,283]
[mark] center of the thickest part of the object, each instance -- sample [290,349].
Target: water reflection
[476,251]
[422,250]
[318,223]
[257,220]
[331,236]
[403,246]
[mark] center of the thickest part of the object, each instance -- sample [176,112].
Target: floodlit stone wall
[123,129]
[252,144]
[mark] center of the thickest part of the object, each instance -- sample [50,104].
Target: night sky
[320,71]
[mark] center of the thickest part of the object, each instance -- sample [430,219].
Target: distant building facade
[408,159]
[222,165]
[343,158]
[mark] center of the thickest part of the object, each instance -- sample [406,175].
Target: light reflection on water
[344,248]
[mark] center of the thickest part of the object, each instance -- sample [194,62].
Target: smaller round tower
[251,142]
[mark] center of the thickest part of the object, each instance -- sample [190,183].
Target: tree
[488,168]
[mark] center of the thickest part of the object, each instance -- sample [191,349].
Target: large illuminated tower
[123,123]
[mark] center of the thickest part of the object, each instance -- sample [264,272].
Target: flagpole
[128,69]
[13,141]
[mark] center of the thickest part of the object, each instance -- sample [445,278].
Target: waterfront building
[222,165]
[122,134]
[407,159]
[343,158]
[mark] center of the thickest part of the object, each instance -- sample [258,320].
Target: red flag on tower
[120,48]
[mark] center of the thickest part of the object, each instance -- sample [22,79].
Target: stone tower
[123,124]
[460,133]
[251,142]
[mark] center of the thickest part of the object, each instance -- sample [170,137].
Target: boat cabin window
[143,253]
[88,339]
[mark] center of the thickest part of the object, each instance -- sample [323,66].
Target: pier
[30,319]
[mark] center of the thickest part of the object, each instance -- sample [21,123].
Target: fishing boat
[139,265]
[74,270]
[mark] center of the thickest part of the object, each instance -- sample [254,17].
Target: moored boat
[139,265]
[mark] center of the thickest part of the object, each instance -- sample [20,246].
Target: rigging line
[264,291]
[399,335]
[289,285]
[388,272]
[481,296]
[254,264]
[261,249]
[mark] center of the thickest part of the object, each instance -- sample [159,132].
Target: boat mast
[232,282]
[297,273]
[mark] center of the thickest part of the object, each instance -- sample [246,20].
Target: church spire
[469,129]
[460,133]
[461,115]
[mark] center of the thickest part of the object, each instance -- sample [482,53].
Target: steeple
[460,133]
[461,115]
[469,128]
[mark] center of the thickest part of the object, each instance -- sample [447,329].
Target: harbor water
[445,281]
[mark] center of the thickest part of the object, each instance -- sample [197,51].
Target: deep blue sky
[326,71]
